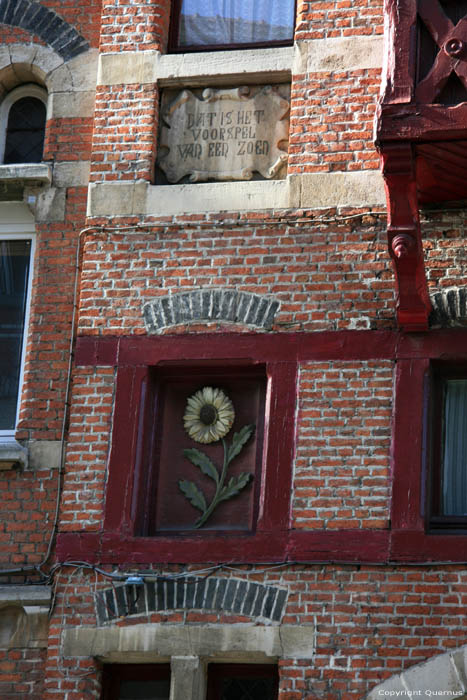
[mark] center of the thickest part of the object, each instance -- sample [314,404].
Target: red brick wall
[22,673]
[332,276]
[344,430]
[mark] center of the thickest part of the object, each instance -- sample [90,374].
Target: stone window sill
[28,174]
[12,455]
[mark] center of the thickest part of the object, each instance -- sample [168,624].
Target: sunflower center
[208,414]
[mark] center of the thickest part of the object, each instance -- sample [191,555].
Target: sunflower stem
[219,488]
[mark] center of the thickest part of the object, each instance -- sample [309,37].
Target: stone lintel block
[71,173]
[230,643]
[69,105]
[117,199]
[44,454]
[338,189]
[345,54]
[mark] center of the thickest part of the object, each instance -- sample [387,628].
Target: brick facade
[338,582]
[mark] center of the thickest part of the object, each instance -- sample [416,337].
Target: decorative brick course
[210,305]
[45,23]
[218,594]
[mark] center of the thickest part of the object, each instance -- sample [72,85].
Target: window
[214,24]
[136,682]
[449,448]
[242,682]
[15,278]
[23,116]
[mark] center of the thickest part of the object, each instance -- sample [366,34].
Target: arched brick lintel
[449,308]
[46,24]
[208,305]
[212,594]
[442,676]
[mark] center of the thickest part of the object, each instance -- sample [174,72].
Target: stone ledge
[230,643]
[224,595]
[16,178]
[206,305]
[310,190]
[25,595]
[12,454]
[204,68]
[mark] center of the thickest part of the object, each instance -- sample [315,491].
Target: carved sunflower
[209,415]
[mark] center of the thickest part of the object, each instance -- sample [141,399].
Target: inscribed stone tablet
[225,134]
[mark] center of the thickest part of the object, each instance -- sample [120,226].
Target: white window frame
[21,235]
[28,90]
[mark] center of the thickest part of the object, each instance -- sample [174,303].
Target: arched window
[23,115]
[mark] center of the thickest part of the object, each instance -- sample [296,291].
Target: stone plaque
[225,134]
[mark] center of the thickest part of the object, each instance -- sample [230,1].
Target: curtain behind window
[211,22]
[455,448]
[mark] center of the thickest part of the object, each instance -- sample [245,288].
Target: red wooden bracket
[404,236]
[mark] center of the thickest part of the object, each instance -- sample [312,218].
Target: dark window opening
[14,274]
[242,682]
[136,682]
[449,448]
[24,141]
[200,25]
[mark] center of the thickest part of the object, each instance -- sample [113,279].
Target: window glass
[454,448]
[136,682]
[14,273]
[25,131]
[234,22]
[144,690]
[242,682]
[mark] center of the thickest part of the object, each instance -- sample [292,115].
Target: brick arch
[208,305]
[443,675]
[44,23]
[209,594]
[449,308]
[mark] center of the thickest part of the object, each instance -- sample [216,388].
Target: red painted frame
[273,539]
[407,540]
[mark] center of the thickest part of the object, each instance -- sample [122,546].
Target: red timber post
[405,237]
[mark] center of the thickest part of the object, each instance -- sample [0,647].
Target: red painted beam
[404,237]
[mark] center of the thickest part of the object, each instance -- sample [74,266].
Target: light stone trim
[24,617]
[12,455]
[70,86]
[228,643]
[70,105]
[45,454]
[343,54]
[312,190]
[204,68]
[446,673]
[71,173]
[187,678]
[340,189]
[27,173]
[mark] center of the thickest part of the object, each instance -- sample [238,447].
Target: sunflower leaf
[238,441]
[199,459]
[235,486]
[194,495]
